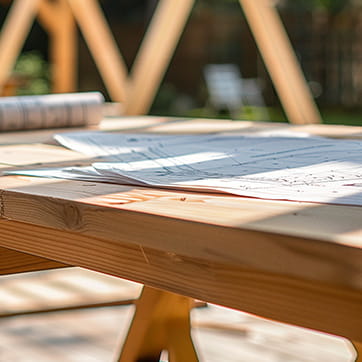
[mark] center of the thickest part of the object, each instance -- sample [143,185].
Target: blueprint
[270,166]
[50,110]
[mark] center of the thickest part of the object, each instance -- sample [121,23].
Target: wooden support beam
[161,322]
[12,262]
[63,48]
[102,46]
[280,60]
[13,33]
[155,53]
[47,15]
[323,306]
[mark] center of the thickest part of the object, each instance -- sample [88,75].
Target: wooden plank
[103,47]
[63,49]
[169,125]
[12,261]
[14,33]
[47,15]
[287,218]
[281,61]
[329,251]
[291,218]
[155,53]
[37,154]
[310,304]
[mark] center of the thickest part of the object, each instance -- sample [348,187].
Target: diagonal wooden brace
[13,34]
[161,322]
[137,90]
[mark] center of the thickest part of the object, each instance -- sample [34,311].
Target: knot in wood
[72,217]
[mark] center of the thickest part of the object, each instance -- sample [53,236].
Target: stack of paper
[311,169]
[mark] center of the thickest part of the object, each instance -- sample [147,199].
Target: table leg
[161,322]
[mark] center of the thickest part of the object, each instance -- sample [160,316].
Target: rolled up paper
[51,111]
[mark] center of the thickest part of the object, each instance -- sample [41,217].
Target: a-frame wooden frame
[137,89]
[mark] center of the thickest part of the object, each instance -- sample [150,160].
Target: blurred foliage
[342,116]
[34,71]
[332,6]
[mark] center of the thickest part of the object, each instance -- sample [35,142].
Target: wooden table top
[295,262]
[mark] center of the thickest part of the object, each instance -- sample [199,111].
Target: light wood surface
[167,125]
[58,21]
[63,48]
[161,322]
[280,228]
[281,297]
[299,263]
[155,53]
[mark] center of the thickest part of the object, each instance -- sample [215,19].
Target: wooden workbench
[299,263]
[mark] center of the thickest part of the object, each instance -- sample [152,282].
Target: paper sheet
[310,169]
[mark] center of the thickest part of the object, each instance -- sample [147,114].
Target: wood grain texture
[299,263]
[276,237]
[311,304]
[161,322]
[36,155]
[12,262]
[169,125]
